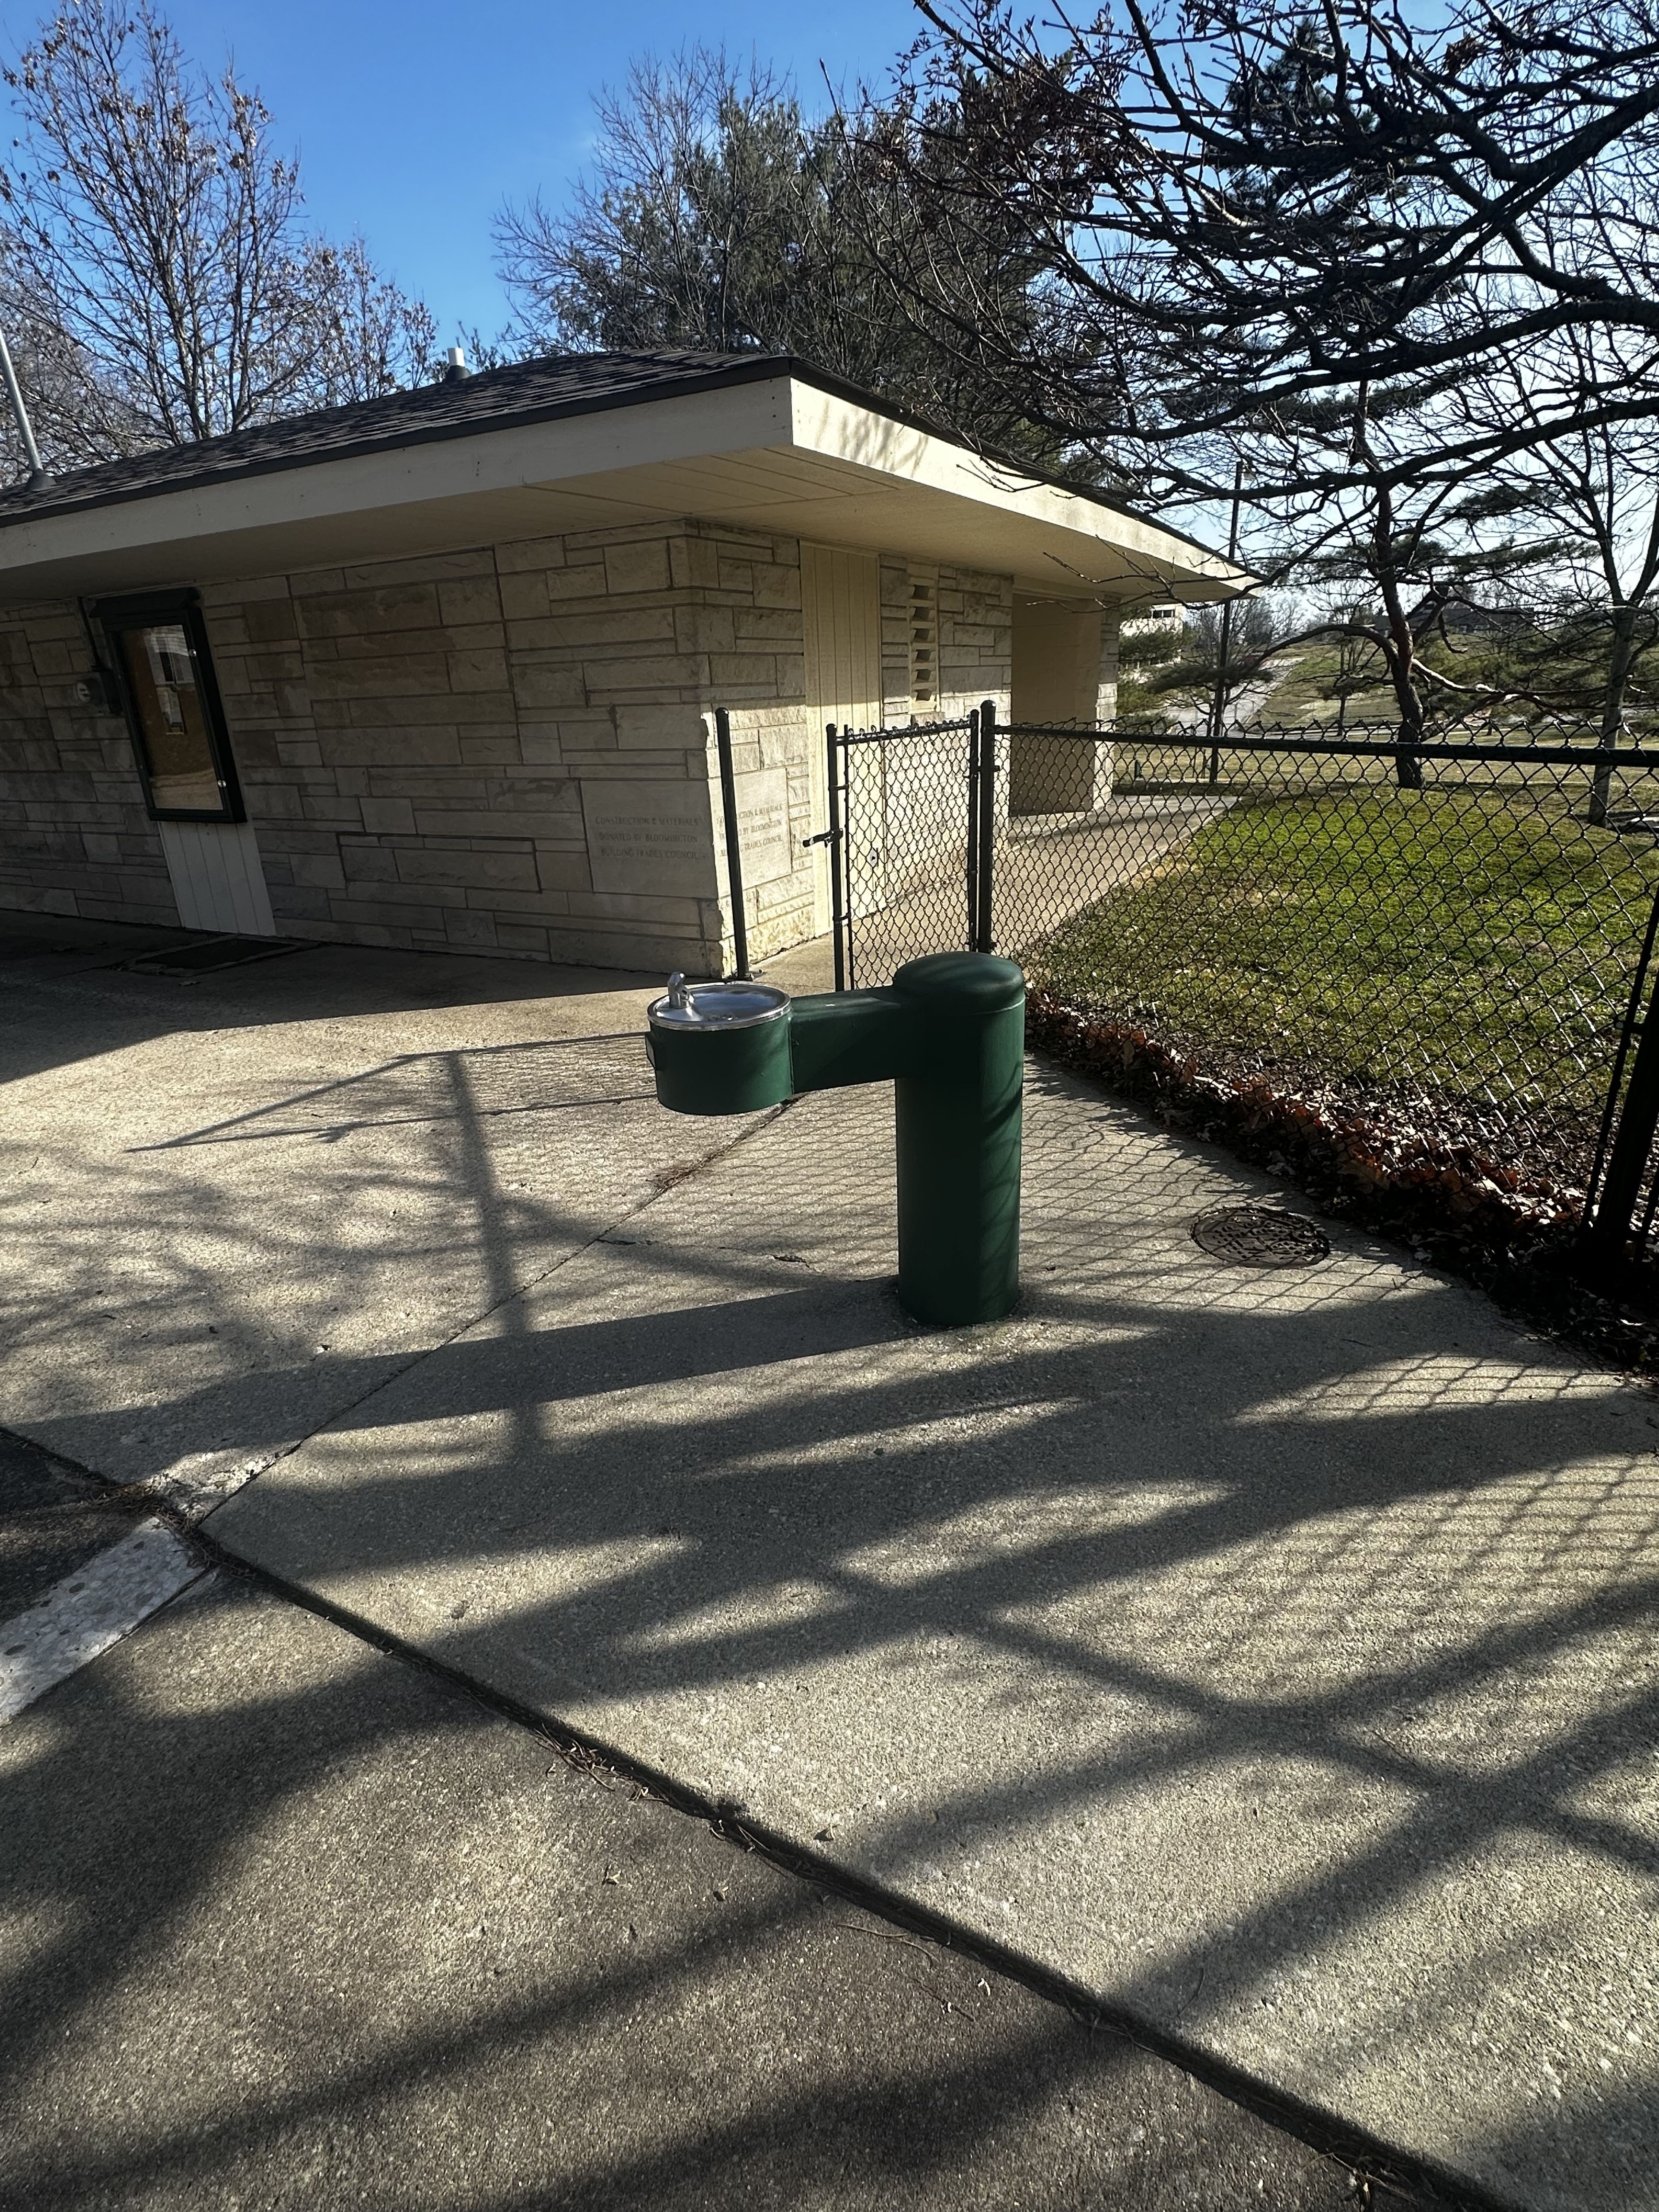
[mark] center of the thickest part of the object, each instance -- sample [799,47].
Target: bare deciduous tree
[367,336]
[1288,239]
[1589,494]
[163,286]
[1258,204]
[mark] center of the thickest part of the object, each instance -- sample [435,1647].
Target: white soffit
[778,456]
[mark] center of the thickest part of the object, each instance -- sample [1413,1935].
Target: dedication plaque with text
[763,833]
[651,837]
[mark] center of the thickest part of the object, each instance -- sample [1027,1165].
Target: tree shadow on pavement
[1275,1662]
[298,1923]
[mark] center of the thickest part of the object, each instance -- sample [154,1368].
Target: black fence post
[1622,1188]
[733,855]
[838,901]
[1630,1124]
[973,832]
[984,921]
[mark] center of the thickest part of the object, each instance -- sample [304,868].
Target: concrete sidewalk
[292,1924]
[231,1206]
[1271,1655]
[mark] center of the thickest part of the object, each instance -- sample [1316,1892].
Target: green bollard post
[958,1122]
[949,1033]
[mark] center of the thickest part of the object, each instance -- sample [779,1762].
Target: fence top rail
[1558,754]
[1592,756]
[954,727]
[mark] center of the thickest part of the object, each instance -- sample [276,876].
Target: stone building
[439,670]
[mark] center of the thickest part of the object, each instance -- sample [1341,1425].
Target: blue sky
[416,118]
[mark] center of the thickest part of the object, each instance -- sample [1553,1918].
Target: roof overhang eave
[777,455]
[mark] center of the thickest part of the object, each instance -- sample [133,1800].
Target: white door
[218,879]
[840,608]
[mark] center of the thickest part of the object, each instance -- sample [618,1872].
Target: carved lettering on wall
[650,837]
[766,843]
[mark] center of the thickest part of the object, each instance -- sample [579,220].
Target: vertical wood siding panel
[840,599]
[261,923]
[218,881]
[218,887]
[841,596]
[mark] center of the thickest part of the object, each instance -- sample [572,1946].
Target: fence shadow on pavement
[1230,1627]
[1281,1652]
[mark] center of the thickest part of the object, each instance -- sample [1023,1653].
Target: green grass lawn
[1478,947]
[1304,683]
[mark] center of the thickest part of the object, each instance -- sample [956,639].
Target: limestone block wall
[509,749]
[778,746]
[780,780]
[975,640]
[1111,638]
[924,804]
[75,838]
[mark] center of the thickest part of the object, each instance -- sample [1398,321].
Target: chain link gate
[910,856]
[1466,949]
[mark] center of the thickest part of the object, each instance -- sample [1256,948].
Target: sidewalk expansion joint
[1380,2175]
[96,1606]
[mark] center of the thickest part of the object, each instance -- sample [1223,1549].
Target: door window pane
[162,678]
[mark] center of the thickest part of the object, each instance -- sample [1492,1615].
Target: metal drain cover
[1260,1236]
[203,954]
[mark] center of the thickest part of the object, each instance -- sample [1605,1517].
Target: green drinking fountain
[949,1034]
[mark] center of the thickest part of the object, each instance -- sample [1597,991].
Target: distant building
[1153,619]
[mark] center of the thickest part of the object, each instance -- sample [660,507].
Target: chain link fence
[909,857]
[1461,952]
[1447,944]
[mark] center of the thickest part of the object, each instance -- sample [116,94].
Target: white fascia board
[515,457]
[827,424]
[518,480]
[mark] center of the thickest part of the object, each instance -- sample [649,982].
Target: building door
[841,612]
[165,671]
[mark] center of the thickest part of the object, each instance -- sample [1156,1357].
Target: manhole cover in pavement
[1260,1236]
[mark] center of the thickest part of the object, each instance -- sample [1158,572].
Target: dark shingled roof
[524,392]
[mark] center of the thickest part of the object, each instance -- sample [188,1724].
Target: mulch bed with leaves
[1441,1186]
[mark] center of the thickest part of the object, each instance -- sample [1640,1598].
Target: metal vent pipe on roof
[457,368]
[39,473]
